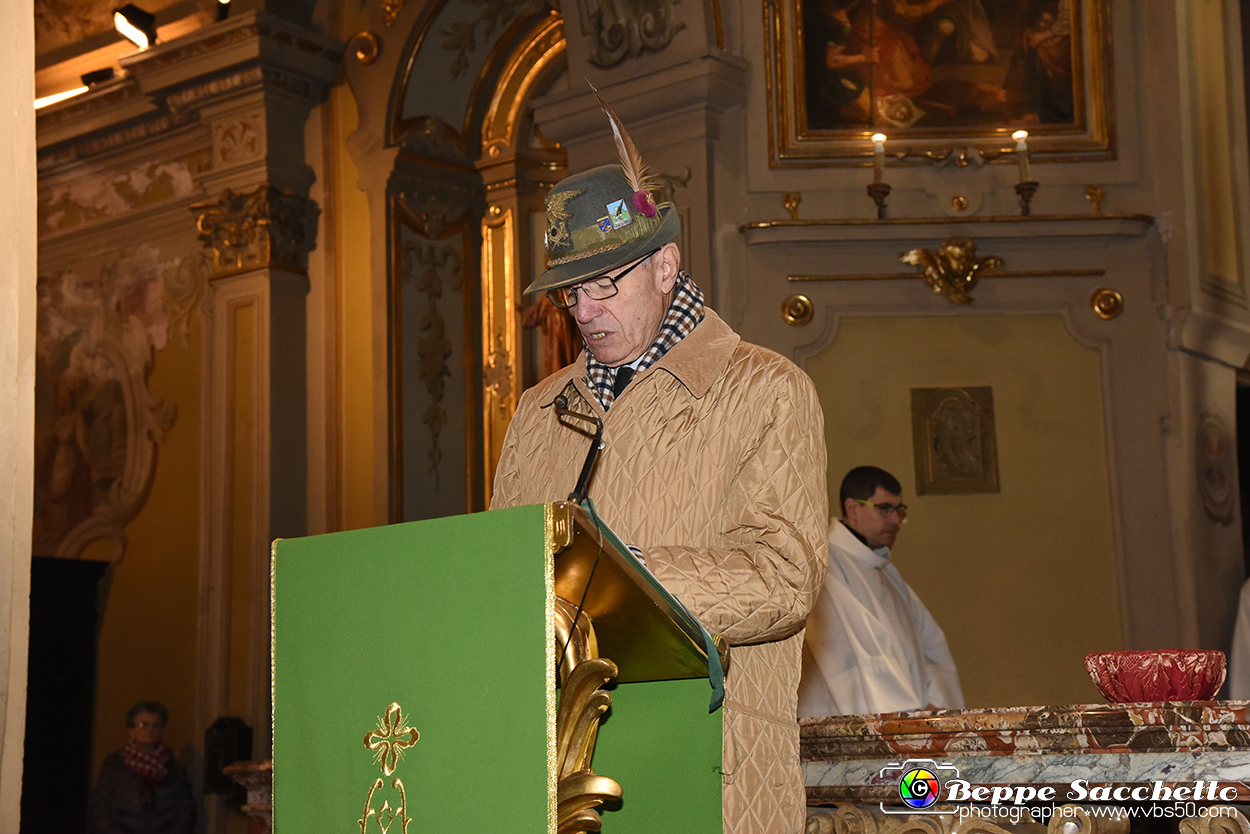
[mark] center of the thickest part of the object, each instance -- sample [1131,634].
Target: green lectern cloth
[449,619]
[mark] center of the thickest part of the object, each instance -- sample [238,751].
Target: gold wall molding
[366,46]
[260,229]
[502,382]
[1106,303]
[796,310]
[517,172]
[998,273]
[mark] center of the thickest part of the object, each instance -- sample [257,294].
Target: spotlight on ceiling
[223,10]
[97,76]
[138,26]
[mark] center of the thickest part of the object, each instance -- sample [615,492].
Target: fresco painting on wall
[96,423]
[944,70]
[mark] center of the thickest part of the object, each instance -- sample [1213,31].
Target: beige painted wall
[1022,581]
[17,388]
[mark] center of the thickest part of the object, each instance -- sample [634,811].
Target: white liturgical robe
[871,645]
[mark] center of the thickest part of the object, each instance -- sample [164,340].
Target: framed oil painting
[936,76]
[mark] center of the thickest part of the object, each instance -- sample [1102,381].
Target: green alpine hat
[596,222]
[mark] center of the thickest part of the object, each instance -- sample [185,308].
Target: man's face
[148,729]
[879,530]
[619,329]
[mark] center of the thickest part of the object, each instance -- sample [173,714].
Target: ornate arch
[469,172]
[519,167]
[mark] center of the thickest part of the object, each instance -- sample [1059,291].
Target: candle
[878,156]
[1022,154]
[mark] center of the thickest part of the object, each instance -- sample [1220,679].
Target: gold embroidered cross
[391,738]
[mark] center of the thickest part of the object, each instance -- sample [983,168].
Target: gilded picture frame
[954,440]
[942,79]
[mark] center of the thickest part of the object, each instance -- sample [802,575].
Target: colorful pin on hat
[604,218]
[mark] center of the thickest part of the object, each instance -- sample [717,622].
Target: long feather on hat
[637,172]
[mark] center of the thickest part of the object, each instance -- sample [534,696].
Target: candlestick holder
[878,191]
[1026,190]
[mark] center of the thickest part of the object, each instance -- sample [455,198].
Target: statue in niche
[96,423]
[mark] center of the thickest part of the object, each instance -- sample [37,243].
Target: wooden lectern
[415,684]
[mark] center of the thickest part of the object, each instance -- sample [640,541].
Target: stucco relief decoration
[461,37]
[1217,478]
[428,266]
[239,141]
[954,269]
[110,194]
[261,229]
[64,22]
[97,424]
[953,439]
[627,28]
[497,374]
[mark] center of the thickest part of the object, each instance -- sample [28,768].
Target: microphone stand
[578,495]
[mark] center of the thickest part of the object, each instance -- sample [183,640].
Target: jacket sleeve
[762,583]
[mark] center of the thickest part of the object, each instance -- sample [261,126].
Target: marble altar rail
[853,763]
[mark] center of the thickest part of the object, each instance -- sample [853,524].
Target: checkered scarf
[685,311]
[151,766]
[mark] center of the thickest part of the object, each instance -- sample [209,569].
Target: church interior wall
[1022,578]
[148,623]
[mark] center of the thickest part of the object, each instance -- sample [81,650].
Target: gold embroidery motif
[558,236]
[391,738]
[386,815]
[388,742]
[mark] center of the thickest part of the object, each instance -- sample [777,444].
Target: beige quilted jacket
[714,465]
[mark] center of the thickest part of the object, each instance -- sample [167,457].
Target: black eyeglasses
[596,289]
[886,509]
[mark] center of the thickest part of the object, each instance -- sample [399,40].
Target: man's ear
[847,506]
[667,266]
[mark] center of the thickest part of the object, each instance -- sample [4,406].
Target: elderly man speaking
[713,462]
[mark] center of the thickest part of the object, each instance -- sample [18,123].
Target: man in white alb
[871,645]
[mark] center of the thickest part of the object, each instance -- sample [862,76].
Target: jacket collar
[697,361]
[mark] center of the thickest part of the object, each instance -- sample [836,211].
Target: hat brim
[565,274]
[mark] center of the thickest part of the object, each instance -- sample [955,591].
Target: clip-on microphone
[578,495]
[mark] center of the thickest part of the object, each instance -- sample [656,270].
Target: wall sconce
[223,10]
[136,25]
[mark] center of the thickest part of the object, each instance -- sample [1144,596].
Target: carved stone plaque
[953,437]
